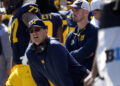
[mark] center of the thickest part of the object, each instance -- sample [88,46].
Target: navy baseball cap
[37,23]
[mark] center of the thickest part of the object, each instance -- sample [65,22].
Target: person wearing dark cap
[48,58]
[96,7]
[82,41]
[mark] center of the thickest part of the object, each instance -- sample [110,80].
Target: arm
[59,31]
[59,34]
[7,52]
[88,49]
[89,80]
[27,17]
[68,41]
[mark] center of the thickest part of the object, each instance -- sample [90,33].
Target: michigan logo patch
[82,37]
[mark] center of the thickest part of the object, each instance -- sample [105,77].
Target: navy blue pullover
[82,43]
[55,64]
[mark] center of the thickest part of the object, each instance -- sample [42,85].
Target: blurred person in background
[22,12]
[5,53]
[96,7]
[51,17]
[68,22]
[107,59]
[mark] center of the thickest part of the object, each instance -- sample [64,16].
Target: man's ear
[86,12]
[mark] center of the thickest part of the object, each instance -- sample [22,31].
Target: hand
[89,80]
[4,82]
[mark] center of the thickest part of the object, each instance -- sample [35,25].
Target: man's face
[78,14]
[97,14]
[37,34]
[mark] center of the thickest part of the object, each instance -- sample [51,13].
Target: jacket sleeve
[60,64]
[87,49]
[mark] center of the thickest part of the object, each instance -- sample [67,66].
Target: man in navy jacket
[82,42]
[49,59]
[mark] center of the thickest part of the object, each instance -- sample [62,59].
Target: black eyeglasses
[34,30]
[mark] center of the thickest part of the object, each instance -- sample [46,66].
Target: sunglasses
[34,30]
